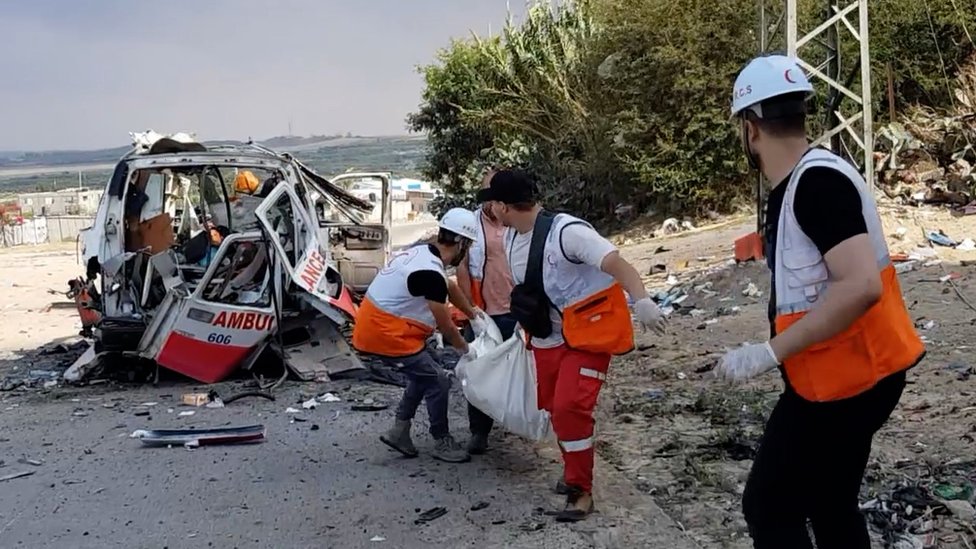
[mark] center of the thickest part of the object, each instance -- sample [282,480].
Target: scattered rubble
[430,515]
[13,476]
[43,367]
[192,438]
[929,158]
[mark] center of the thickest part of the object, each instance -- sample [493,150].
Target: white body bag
[501,382]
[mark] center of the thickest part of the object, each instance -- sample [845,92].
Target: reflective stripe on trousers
[576,445]
[569,383]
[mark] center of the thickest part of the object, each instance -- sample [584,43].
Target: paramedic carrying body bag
[530,306]
[501,382]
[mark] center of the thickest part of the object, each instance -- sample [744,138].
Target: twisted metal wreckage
[202,256]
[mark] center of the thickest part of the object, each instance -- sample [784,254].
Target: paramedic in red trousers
[841,335]
[583,278]
[404,305]
[486,281]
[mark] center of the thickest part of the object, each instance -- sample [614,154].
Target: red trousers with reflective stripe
[569,384]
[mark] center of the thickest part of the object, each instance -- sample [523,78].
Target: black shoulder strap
[561,248]
[533,265]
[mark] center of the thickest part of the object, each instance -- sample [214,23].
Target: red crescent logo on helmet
[787,76]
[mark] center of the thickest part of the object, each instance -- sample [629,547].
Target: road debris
[368,405]
[430,515]
[47,365]
[751,290]
[961,509]
[310,404]
[377,539]
[290,410]
[951,492]
[940,239]
[187,413]
[27,461]
[192,438]
[16,475]
[479,506]
[329,397]
[245,394]
[195,399]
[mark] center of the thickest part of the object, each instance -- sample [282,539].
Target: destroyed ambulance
[201,256]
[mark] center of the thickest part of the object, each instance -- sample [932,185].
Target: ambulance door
[294,239]
[228,317]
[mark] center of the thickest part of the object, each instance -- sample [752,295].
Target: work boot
[447,449]
[478,444]
[561,488]
[579,505]
[398,438]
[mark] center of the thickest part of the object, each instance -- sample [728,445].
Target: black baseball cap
[509,187]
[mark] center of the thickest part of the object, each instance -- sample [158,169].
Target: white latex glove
[479,324]
[649,315]
[746,362]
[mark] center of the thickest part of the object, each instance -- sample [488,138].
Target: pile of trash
[933,509]
[929,159]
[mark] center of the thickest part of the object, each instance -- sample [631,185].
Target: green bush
[626,102]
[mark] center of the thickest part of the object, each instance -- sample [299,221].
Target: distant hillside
[22,159]
[326,155]
[60,158]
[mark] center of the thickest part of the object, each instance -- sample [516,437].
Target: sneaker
[398,438]
[579,505]
[478,444]
[447,449]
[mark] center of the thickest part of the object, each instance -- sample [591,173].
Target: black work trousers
[479,422]
[810,466]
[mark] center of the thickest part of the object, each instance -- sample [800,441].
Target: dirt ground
[687,440]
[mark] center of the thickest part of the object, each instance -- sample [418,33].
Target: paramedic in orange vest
[404,305]
[584,278]
[486,281]
[841,335]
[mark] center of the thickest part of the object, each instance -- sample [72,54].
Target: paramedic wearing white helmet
[404,305]
[841,335]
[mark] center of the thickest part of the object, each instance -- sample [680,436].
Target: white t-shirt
[580,243]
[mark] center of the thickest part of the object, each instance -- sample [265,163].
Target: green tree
[612,102]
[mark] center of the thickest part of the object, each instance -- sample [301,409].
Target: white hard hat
[767,77]
[460,222]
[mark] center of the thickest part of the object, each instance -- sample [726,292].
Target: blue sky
[83,73]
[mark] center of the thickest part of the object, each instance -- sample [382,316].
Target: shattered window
[281,217]
[241,276]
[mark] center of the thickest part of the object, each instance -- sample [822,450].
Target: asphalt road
[407,233]
[334,485]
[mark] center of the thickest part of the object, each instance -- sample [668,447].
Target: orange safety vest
[477,258]
[600,323]
[880,343]
[391,322]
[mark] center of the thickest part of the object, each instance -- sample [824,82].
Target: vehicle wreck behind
[201,256]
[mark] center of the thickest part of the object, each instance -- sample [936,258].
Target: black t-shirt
[429,284]
[827,207]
